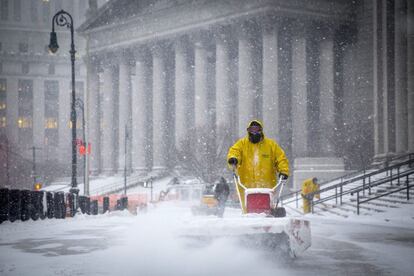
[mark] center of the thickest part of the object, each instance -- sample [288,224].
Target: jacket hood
[256,121]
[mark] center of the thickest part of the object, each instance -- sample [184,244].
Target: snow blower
[263,224]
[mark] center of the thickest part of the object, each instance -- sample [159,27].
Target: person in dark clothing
[221,193]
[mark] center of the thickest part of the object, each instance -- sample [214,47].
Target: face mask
[255,137]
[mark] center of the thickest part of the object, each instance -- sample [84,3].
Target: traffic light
[38,186]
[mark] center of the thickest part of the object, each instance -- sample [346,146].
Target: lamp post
[79,103]
[64,19]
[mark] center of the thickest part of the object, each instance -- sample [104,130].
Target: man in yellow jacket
[310,185]
[258,160]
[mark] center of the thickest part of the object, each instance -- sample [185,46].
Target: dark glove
[284,176]
[233,161]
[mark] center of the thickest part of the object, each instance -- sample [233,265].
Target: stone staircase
[333,207]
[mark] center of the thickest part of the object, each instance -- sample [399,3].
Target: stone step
[330,209]
[365,207]
[375,202]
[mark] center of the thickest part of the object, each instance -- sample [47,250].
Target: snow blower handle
[281,182]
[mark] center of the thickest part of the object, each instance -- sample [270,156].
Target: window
[51,99]
[51,112]
[4,9]
[24,122]
[23,47]
[17,10]
[25,112]
[46,11]
[33,10]
[51,69]
[25,68]
[3,102]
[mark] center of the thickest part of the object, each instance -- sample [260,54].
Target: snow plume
[154,249]
[122,244]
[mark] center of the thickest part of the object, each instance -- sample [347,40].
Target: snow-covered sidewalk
[123,244]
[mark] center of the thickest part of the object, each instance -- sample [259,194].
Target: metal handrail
[407,187]
[372,185]
[294,196]
[358,173]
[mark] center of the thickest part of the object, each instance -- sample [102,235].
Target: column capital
[269,23]
[160,48]
[202,39]
[140,53]
[247,29]
[109,60]
[223,34]
[182,44]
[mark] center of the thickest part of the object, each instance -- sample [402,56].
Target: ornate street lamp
[64,19]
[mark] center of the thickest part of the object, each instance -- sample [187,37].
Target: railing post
[336,195]
[398,174]
[358,203]
[408,190]
[363,186]
[297,199]
[311,202]
[340,196]
[391,176]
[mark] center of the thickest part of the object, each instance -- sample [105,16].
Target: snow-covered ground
[146,244]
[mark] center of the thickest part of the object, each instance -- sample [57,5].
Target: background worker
[258,160]
[309,186]
[221,193]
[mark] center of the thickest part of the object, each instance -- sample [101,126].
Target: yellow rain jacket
[258,163]
[308,186]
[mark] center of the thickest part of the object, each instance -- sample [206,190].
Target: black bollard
[88,205]
[14,205]
[50,203]
[124,203]
[94,207]
[71,197]
[60,207]
[37,205]
[4,204]
[26,205]
[105,204]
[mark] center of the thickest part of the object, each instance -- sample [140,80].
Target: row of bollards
[24,205]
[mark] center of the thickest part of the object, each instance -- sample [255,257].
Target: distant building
[35,86]
[332,80]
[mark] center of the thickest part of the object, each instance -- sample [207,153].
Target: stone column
[248,70]
[108,132]
[124,108]
[94,131]
[39,114]
[384,118]
[65,137]
[140,112]
[160,111]
[12,110]
[327,97]
[410,74]
[225,102]
[201,100]
[183,97]
[400,67]
[299,95]
[270,79]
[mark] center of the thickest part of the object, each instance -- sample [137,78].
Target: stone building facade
[35,86]
[332,80]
